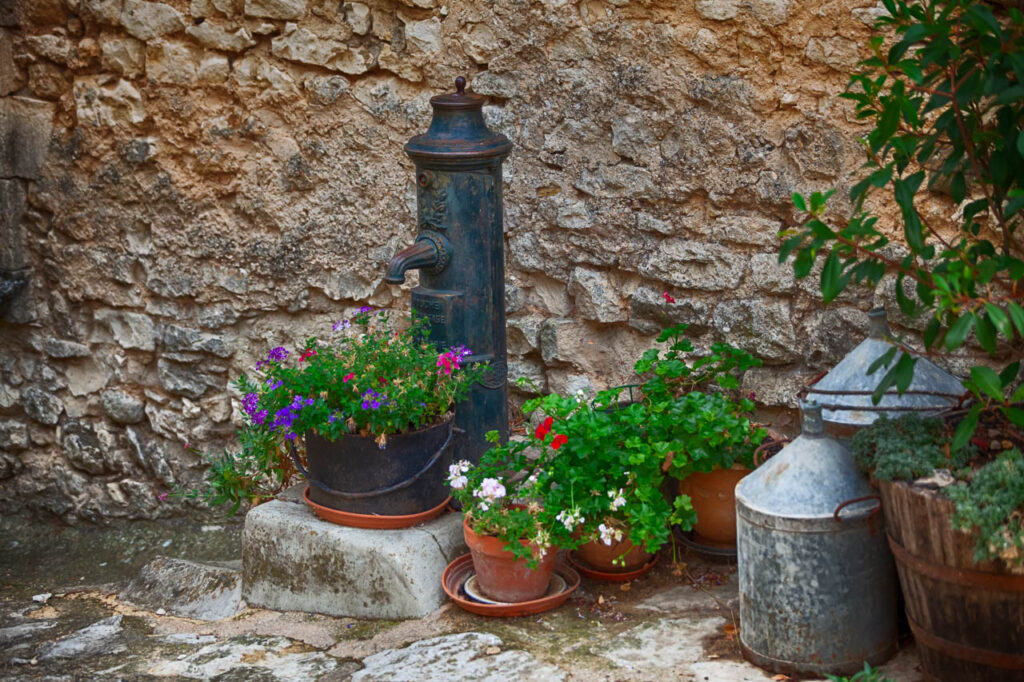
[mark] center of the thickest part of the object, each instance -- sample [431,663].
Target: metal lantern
[460,253]
[816,579]
[844,393]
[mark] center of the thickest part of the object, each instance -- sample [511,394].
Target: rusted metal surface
[460,253]
[795,558]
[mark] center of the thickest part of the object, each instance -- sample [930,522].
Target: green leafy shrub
[944,91]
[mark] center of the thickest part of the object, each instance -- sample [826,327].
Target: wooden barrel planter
[967,617]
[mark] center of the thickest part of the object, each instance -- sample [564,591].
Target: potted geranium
[943,93]
[693,405]
[512,529]
[609,476]
[371,406]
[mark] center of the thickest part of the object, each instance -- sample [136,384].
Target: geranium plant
[693,403]
[366,378]
[609,471]
[505,495]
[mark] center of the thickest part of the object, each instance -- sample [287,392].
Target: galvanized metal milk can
[460,253]
[816,579]
[845,392]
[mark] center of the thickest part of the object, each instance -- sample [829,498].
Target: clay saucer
[461,570]
[372,521]
[618,577]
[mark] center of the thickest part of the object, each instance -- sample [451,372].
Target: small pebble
[42,598]
[167,543]
[161,612]
[492,650]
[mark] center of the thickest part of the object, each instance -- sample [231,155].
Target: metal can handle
[865,498]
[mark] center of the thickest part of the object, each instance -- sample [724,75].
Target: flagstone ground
[64,615]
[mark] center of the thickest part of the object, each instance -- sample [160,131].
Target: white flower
[570,518]
[491,490]
[456,474]
[609,535]
[483,506]
[618,499]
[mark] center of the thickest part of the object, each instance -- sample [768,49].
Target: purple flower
[341,324]
[372,400]
[272,385]
[250,402]
[309,402]
[259,417]
[332,419]
[292,435]
[366,309]
[278,354]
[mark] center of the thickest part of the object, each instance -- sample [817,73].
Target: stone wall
[192,182]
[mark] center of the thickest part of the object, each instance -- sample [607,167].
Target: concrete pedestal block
[293,561]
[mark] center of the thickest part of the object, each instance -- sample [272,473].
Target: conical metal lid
[808,479]
[457,130]
[845,392]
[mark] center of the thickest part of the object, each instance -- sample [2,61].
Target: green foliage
[692,404]
[990,503]
[868,674]
[596,469]
[988,500]
[906,448]
[366,379]
[587,472]
[944,91]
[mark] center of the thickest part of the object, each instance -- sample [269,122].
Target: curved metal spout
[422,254]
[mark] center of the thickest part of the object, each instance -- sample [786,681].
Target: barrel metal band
[985,580]
[966,652]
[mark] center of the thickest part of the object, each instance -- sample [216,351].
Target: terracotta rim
[622,577]
[459,570]
[372,521]
[714,553]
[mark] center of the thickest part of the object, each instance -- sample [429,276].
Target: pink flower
[306,354]
[348,377]
[668,298]
[161,497]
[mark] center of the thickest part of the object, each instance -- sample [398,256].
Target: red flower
[383,381]
[559,440]
[668,298]
[544,429]
[308,353]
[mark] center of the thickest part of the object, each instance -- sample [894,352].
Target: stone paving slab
[293,561]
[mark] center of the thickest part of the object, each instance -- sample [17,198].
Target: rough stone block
[187,588]
[25,126]
[293,561]
[12,232]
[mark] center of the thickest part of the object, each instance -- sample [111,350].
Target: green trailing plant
[988,498]
[944,92]
[367,378]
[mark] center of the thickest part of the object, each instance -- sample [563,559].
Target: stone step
[293,561]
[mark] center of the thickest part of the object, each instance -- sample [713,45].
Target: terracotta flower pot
[714,500]
[600,556]
[503,577]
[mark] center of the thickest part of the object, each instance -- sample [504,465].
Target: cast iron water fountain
[459,251]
